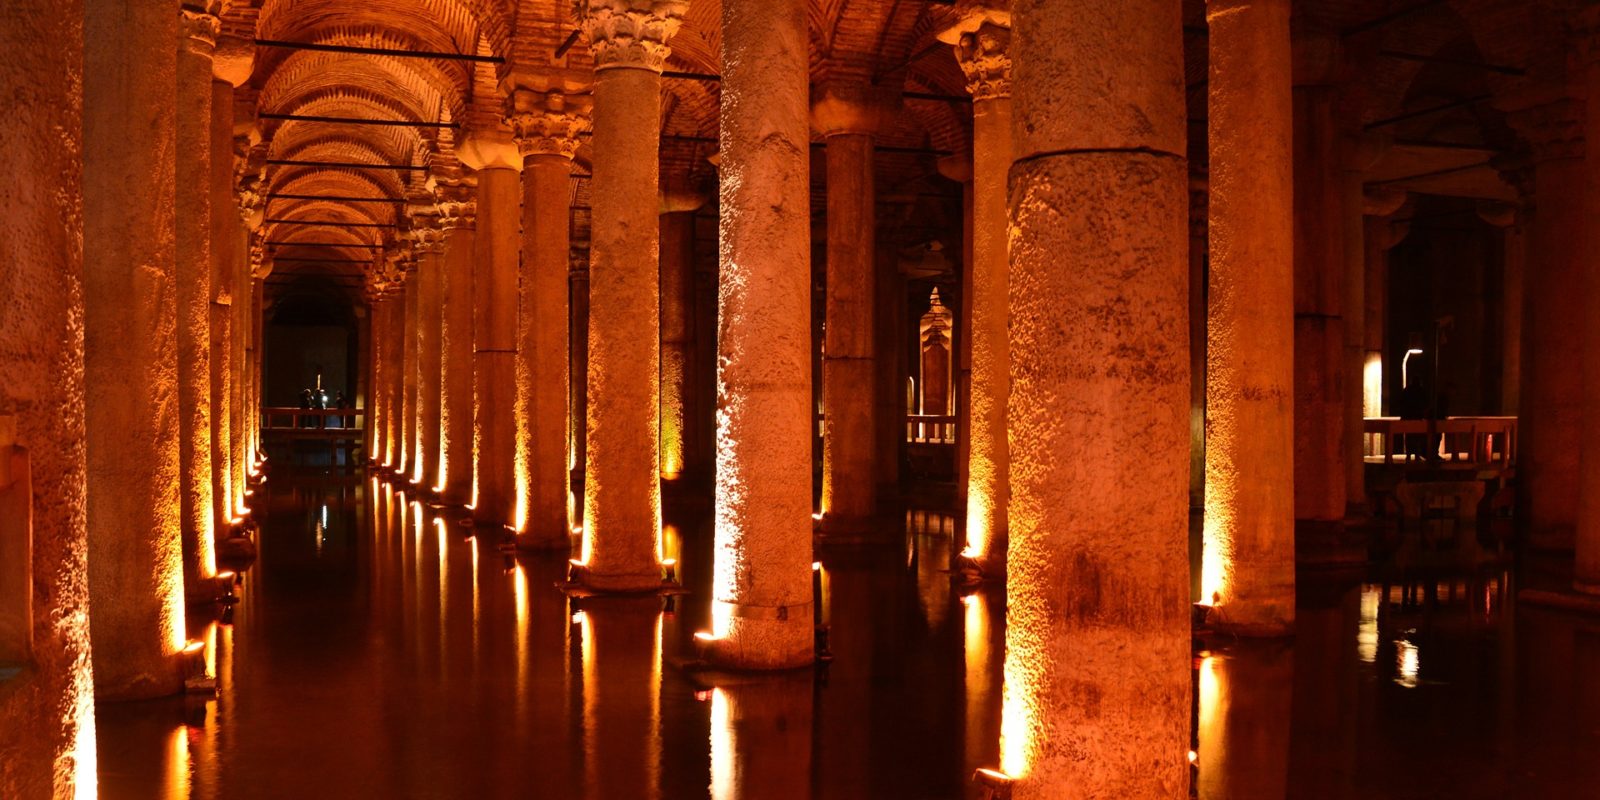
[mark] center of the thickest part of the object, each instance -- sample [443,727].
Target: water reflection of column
[982,679]
[761,739]
[1244,732]
[621,674]
[1327,649]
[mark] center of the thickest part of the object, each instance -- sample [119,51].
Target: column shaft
[1586,572]
[1248,564]
[1097,567]
[677,266]
[849,409]
[543,354]
[378,411]
[430,363]
[1376,241]
[456,457]
[135,559]
[1511,316]
[494,359]
[1352,202]
[194,294]
[222,221]
[410,374]
[761,589]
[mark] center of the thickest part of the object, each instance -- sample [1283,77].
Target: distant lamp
[993,784]
[1414,350]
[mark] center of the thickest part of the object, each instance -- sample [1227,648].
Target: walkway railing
[1474,440]
[930,429]
[312,423]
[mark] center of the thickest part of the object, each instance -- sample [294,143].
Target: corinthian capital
[982,40]
[630,33]
[547,123]
[198,27]
[458,210]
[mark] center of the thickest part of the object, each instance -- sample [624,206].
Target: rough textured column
[46,714]
[258,298]
[1379,236]
[458,218]
[622,487]
[430,362]
[761,587]
[1552,386]
[547,126]
[981,41]
[131,339]
[1586,572]
[1359,154]
[410,313]
[197,34]
[1097,568]
[378,354]
[222,222]
[1319,267]
[848,116]
[1247,570]
[677,272]
[494,324]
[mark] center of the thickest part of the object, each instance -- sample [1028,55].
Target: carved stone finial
[630,33]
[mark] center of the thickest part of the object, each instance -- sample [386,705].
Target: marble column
[1247,571]
[1099,364]
[458,219]
[221,222]
[981,41]
[1586,572]
[1319,271]
[1552,382]
[378,360]
[498,164]
[406,348]
[677,273]
[135,559]
[430,361]
[848,116]
[547,125]
[762,615]
[197,33]
[622,487]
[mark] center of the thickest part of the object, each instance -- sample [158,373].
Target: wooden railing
[930,429]
[1472,440]
[312,423]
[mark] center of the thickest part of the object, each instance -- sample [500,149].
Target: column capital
[674,201]
[458,210]
[858,108]
[547,123]
[1554,130]
[982,40]
[956,167]
[630,33]
[489,149]
[233,60]
[198,26]
[426,229]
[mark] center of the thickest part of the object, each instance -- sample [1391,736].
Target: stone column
[761,587]
[1199,258]
[1552,380]
[1099,364]
[1247,571]
[378,355]
[848,116]
[406,348]
[458,219]
[958,168]
[135,561]
[495,158]
[1513,221]
[1319,474]
[48,713]
[677,272]
[197,33]
[578,361]
[430,362]
[547,126]
[1586,572]
[221,222]
[981,41]
[622,487]
[1379,236]
[1359,155]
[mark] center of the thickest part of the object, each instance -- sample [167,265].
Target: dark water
[378,653]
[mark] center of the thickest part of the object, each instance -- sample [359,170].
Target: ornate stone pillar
[848,116]
[981,42]
[1552,383]
[762,615]
[547,125]
[458,220]
[677,273]
[1319,271]
[622,487]
[1247,571]
[135,560]
[197,35]
[1099,364]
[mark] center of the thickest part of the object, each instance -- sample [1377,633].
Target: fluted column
[1552,385]
[761,589]
[547,126]
[622,487]
[848,116]
[197,32]
[1248,565]
[458,219]
[981,42]
[1099,364]
[677,272]
[135,558]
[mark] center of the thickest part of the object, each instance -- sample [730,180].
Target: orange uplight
[194,646]
[816,566]
[817,516]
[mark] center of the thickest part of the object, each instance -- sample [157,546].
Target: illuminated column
[578,353]
[406,347]
[1552,383]
[547,126]
[458,218]
[197,33]
[1586,572]
[1099,364]
[258,298]
[677,272]
[1379,236]
[430,317]
[981,41]
[1199,255]
[130,340]
[247,200]
[848,116]
[1248,565]
[395,369]
[1319,267]
[761,732]
[1360,153]
[761,588]
[378,346]
[47,732]
[230,67]
[622,487]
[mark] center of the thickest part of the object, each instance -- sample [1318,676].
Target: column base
[582,581]
[762,644]
[836,529]
[972,571]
